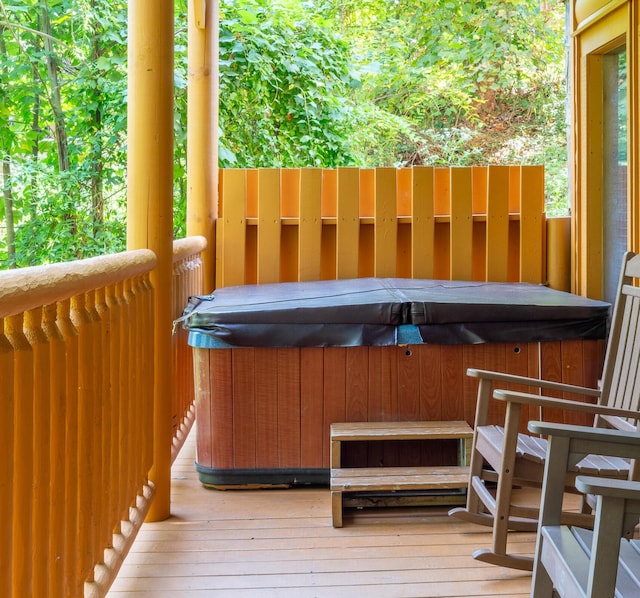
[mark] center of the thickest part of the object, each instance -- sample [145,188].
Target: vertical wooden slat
[41,425]
[497,237]
[348,223]
[367,192]
[113,302]
[6,459]
[310,226]
[98,398]
[268,225]
[23,454]
[85,447]
[131,444]
[230,254]
[461,247]
[532,224]
[70,339]
[125,366]
[386,226]
[423,228]
[290,192]
[147,395]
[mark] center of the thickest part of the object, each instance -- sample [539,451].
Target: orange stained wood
[532,223]
[23,445]
[600,28]
[310,227]
[269,222]
[421,206]
[81,403]
[6,457]
[346,223]
[497,210]
[385,225]
[461,244]
[231,225]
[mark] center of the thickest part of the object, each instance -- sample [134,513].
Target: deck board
[263,543]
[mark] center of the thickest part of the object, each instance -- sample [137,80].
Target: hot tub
[276,364]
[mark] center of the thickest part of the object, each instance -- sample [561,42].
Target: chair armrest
[548,384]
[609,487]
[587,439]
[511,396]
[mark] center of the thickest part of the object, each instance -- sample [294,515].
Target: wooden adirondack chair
[501,454]
[576,562]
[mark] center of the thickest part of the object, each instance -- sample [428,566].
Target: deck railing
[477,223]
[187,281]
[76,371]
[76,396]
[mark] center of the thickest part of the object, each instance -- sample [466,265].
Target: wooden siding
[272,408]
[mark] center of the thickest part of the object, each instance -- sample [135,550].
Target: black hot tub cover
[369,311]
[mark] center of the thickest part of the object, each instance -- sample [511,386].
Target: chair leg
[473,511]
[498,554]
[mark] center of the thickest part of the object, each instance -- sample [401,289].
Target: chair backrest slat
[621,374]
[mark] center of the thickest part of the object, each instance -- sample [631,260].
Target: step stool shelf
[395,479]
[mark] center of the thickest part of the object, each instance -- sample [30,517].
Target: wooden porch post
[150,203]
[202,129]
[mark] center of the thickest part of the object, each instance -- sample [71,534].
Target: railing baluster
[23,465]
[7,458]
[41,439]
[73,583]
[77,449]
[58,398]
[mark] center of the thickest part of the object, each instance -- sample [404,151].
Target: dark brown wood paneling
[244,408]
[289,421]
[312,435]
[334,392]
[265,379]
[221,385]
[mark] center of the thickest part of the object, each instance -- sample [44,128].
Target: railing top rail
[28,288]
[183,248]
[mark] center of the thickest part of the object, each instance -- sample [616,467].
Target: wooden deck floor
[280,543]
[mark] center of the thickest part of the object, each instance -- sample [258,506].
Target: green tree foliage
[461,83]
[63,123]
[284,87]
[302,83]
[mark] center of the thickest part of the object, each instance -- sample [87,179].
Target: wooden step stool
[392,479]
